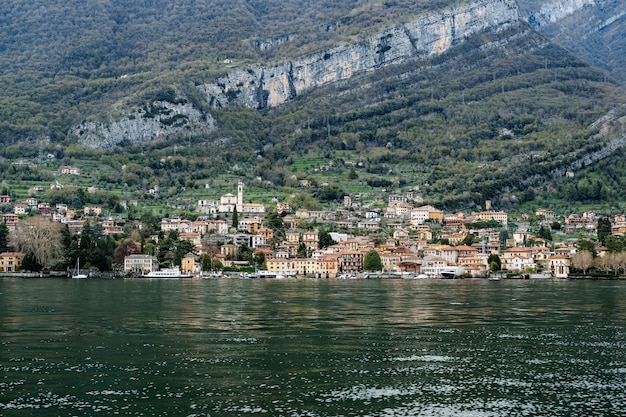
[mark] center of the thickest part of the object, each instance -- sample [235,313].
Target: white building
[419,215]
[433,265]
[229,202]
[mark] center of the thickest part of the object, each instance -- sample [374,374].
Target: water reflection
[312,348]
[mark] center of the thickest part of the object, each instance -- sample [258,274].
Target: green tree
[207,262]
[584,244]
[325,240]
[217,265]
[235,218]
[468,240]
[495,263]
[181,249]
[604,229]
[274,221]
[29,263]
[4,238]
[614,243]
[545,233]
[504,236]
[245,253]
[103,254]
[167,247]
[301,250]
[259,259]
[372,261]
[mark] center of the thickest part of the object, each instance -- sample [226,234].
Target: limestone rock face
[157,121]
[552,11]
[430,35]
[594,30]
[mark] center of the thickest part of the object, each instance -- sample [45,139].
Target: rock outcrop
[428,36]
[553,11]
[594,30]
[157,121]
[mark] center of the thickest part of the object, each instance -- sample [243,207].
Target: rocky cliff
[594,30]
[428,36]
[590,28]
[156,121]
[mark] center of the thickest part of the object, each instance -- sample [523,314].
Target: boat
[452,272]
[167,273]
[77,273]
[271,274]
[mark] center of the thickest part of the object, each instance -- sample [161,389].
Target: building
[11,261]
[559,266]
[419,215]
[68,170]
[498,216]
[433,265]
[92,210]
[140,264]
[10,219]
[20,209]
[311,239]
[189,264]
[280,266]
[350,262]
[229,203]
[207,206]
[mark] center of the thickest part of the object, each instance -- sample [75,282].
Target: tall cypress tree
[604,229]
[4,238]
[235,219]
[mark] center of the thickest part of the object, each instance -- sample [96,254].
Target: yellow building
[188,264]
[11,261]
[140,264]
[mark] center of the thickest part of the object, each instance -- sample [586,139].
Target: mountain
[460,101]
[594,30]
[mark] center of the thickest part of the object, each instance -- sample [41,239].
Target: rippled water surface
[312,348]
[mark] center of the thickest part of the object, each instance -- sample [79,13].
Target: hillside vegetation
[61,61]
[474,124]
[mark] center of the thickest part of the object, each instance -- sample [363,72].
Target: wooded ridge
[495,109]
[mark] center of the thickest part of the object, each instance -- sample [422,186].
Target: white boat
[167,273]
[76,273]
[453,272]
[271,274]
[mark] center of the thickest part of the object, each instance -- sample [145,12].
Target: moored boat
[453,272]
[76,273]
[167,273]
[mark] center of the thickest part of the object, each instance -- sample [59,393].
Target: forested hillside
[498,116]
[61,61]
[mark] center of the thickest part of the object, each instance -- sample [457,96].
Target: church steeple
[240,197]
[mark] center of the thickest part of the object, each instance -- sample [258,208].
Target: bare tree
[39,237]
[622,262]
[606,263]
[582,260]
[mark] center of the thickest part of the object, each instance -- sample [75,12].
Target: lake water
[232,347]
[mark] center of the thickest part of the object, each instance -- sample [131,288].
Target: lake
[231,347]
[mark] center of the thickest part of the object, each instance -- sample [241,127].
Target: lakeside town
[421,241]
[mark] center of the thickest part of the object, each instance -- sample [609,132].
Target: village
[422,241]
